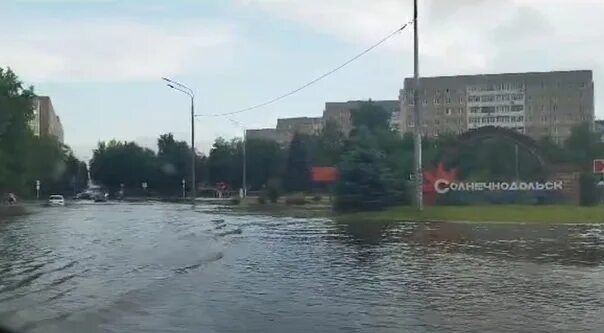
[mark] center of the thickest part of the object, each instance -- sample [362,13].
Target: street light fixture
[188,91]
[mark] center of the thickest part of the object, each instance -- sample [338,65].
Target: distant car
[56,200]
[101,197]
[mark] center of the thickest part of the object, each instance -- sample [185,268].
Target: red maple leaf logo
[431,177]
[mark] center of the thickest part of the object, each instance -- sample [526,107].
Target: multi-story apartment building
[269,134]
[301,125]
[286,128]
[536,104]
[45,121]
[341,112]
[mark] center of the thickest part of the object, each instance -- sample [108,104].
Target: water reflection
[563,244]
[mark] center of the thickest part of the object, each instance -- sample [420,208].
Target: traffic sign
[599,166]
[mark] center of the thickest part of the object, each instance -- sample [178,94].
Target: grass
[500,214]
[554,214]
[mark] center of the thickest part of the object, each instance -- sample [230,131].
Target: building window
[448,111]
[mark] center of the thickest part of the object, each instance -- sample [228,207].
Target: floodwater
[169,268]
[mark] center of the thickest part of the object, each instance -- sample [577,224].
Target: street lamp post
[244,175]
[188,91]
[419,199]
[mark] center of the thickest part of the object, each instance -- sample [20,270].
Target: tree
[15,112]
[264,161]
[365,180]
[117,162]
[330,145]
[174,161]
[297,170]
[583,145]
[225,163]
[372,116]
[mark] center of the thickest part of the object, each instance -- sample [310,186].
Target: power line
[278,98]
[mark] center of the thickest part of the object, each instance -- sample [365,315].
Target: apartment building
[301,125]
[535,104]
[269,134]
[286,129]
[45,121]
[341,112]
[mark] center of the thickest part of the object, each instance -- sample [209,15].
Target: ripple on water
[140,268]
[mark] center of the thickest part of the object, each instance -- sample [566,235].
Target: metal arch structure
[490,132]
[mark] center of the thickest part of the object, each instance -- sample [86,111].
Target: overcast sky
[101,60]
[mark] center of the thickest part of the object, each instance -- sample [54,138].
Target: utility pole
[193,184]
[419,179]
[244,163]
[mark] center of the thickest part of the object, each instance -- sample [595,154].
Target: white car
[56,200]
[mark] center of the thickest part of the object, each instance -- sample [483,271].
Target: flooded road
[168,268]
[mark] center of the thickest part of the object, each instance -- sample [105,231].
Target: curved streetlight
[188,91]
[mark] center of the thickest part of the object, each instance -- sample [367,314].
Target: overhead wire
[312,82]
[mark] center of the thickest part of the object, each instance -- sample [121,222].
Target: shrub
[316,198]
[296,199]
[262,200]
[235,201]
[272,191]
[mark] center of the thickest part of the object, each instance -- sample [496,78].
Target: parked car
[56,200]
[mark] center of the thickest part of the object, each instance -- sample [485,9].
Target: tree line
[26,158]
[374,162]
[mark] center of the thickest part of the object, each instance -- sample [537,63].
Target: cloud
[114,50]
[464,36]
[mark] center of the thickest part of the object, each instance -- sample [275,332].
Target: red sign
[324,174]
[599,166]
[433,179]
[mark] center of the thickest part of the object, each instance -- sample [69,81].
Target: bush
[262,200]
[296,199]
[272,191]
[589,193]
[235,201]
[317,198]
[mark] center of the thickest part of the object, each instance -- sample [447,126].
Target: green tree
[371,116]
[330,145]
[264,161]
[297,170]
[174,160]
[225,163]
[127,163]
[366,182]
[583,145]
[15,112]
